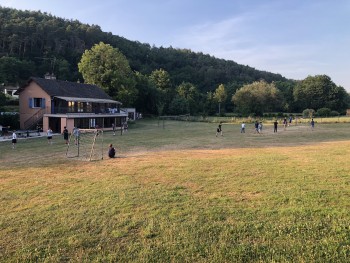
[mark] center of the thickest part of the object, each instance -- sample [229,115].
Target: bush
[324,112]
[308,113]
[11,120]
[334,113]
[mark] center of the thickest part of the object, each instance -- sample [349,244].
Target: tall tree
[108,68]
[220,95]
[210,104]
[319,91]
[286,88]
[161,80]
[257,98]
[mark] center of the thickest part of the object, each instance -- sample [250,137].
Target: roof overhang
[88,100]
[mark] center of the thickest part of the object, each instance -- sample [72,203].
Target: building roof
[59,88]
[86,99]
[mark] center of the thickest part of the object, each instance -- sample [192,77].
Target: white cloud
[241,40]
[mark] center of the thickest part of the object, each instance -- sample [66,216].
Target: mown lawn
[180,194]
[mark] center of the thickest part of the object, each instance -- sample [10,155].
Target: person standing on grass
[125,128]
[49,136]
[113,128]
[65,134]
[256,125]
[14,139]
[76,134]
[284,123]
[312,124]
[219,130]
[260,126]
[243,127]
[275,124]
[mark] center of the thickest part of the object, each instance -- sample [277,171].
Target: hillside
[34,43]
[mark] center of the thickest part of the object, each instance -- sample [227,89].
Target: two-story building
[56,103]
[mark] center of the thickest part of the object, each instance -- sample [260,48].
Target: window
[92,123]
[71,105]
[88,107]
[80,106]
[37,103]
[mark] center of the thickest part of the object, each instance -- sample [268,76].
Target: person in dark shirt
[111,151]
[65,134]
[275,124]
[219,130]
[312,124]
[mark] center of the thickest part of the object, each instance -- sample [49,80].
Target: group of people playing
[259,126]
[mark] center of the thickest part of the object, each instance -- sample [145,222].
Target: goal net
[86,145]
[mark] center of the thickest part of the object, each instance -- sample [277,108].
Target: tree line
[155,80]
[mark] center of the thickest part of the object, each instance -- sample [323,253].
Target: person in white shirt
[76,134]
[243,127]
[49,136]
[14,139]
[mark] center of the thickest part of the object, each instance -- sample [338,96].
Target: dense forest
[35,43]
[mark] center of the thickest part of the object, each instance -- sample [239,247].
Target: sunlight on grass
[239,199]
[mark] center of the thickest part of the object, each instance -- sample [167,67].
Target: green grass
[180,194]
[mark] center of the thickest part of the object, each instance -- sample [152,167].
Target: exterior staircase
[36,119]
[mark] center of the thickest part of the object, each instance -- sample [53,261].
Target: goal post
[85,144]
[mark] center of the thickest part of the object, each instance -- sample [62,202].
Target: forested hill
[34,43]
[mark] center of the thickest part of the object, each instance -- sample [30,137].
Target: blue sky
[295,38]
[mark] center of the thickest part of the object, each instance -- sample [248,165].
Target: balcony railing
[67,110]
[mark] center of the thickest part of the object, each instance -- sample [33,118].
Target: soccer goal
[86,145]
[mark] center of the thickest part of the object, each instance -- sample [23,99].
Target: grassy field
[180,194]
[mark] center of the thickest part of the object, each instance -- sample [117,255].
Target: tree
[3,100]
[190,93]
[320,92]
[108,68]
[210,104]
[286,88]
[324,112]
[308,113]
[14,71]
[9,70]
[220,95]
[178,105]
[147,95]
[257,98]
[161,80]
